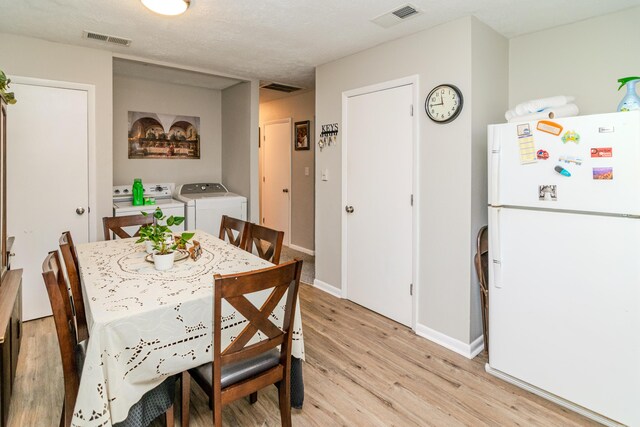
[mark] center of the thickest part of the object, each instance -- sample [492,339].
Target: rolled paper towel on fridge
[530,117]
[510,114]
[537,105]
[569,110]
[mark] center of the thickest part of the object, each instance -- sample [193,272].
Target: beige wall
[584,59]
[28,57]
[240,143]
[298,108]
[132,94]
[444,200]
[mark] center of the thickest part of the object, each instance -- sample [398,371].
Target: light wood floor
[361,370]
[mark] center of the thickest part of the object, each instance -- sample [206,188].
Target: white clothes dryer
[207,202]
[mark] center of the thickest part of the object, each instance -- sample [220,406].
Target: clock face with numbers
[444,103]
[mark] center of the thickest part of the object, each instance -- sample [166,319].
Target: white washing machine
[123,205]
[207,202]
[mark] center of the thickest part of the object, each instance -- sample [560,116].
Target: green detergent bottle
[138,192]
[631,101]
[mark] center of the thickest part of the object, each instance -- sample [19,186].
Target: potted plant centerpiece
[159,238]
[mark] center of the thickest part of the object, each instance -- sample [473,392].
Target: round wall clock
[444,103]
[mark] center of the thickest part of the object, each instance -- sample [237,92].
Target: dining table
[146,326]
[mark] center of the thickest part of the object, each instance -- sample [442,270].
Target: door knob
[285,190]
[80,210]
[349,209]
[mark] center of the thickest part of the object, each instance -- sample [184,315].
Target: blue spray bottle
[631,101]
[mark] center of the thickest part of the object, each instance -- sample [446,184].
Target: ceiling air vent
[396,16]
[280,87]
[405,12]
[121,41]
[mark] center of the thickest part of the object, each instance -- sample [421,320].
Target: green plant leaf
[170,221]
[187,236]
[144,213]
[177,220]
[158,213]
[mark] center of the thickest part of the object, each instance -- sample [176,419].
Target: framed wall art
[302,135]
[163,136]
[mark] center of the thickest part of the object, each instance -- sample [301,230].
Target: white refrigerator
[564,261]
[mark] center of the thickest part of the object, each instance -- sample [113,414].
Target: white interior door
[47,181]
[276,179]
[379,183]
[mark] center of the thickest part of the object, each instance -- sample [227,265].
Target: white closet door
[47,181]
[379,138]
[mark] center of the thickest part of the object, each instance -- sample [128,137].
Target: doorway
[48,177]
[379,220]
[276,177]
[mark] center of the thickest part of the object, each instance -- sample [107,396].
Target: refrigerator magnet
[549,127]
[524,130]
[562,171]
[527,150]
[571,159]
[542,155]
[603,173]
[547,193]
[571,136]
[601,152]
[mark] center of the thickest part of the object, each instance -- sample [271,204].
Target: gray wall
[132,94]
[298,108]
[28,57]
[240,143]
[446,210]
[584,59]
[489,74]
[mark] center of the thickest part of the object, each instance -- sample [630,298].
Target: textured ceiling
[123,67]
[277,40]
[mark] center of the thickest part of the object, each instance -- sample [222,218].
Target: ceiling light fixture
[167,7]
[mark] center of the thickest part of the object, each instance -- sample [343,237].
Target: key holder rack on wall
[328,135]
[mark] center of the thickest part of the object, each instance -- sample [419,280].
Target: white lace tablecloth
[145,325]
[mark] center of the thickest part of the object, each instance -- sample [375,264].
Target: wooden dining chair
[235,230]
[241,370]
[115,223]
[267,242]
[481,261]
[70,258]
[72,351]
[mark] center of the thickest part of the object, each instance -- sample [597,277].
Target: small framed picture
[302,135]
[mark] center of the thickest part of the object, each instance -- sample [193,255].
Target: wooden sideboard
[10,288]
[10,336]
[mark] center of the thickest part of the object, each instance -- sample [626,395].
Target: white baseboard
[552,397]
[467,350]
[301,249]
[331,290]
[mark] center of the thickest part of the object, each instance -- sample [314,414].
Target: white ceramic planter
[163,262]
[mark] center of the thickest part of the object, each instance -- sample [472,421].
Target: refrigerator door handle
[495,249]
[494,197]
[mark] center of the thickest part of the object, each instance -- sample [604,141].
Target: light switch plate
[325,175]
